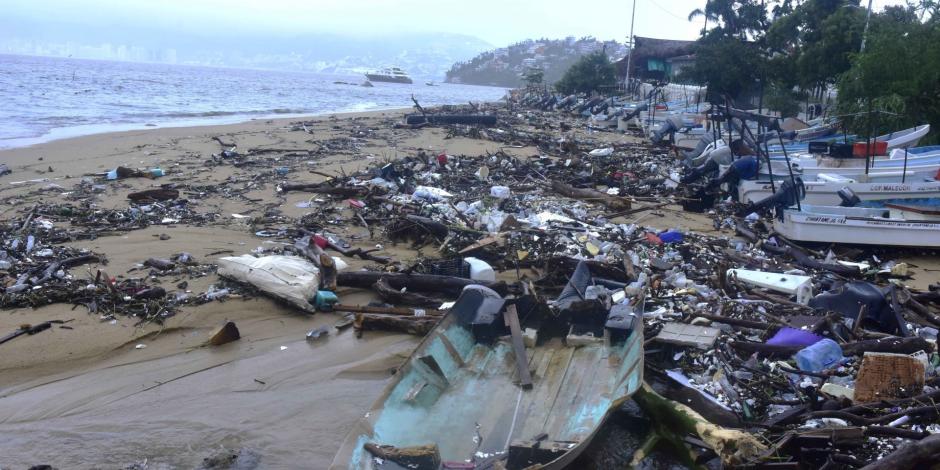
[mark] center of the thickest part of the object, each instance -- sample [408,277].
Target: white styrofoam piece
[800,286]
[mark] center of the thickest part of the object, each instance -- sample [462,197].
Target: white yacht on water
[391,74]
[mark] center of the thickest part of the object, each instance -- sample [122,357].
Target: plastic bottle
[500,192]
[818,356]
[634,287]
[216,294]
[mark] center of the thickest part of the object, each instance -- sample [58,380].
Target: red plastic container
[860,149]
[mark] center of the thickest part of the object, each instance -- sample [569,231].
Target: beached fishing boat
[464,394]
[391,74]
[826,191]
[857,225]
[898,140]
[905,138]
[882,171]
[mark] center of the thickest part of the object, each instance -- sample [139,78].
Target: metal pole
[626,82]
[865,33]
[770,169]
[904,173]
[786,158]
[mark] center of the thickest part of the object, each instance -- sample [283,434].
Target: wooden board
[518,347]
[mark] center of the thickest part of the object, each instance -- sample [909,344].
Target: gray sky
[499,22]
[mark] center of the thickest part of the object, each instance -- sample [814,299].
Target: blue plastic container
[821,355]
[325,299]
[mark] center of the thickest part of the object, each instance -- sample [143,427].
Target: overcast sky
[498,22]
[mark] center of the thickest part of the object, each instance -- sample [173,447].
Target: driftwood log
[160,194]
[398,311]
[419,326]
[418,282]
[425,457]
[805,260]
[613,203]
[321,188]
[397,297]
[672,421]
[434,227]
[895,345]
[321,259]
[920,454]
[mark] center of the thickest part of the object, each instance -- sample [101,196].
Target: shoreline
[63,382]
[67,133]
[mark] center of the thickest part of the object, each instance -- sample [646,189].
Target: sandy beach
[90,396]
[86,397]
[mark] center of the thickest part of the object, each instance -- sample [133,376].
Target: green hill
[503,66]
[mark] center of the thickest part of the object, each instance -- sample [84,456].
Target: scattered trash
[316,333]
[702,337]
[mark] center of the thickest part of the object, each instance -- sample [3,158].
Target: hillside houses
[503,66]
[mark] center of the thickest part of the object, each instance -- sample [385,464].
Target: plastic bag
[288,278]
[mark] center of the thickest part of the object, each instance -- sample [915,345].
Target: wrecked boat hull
[855,225]
[475,406]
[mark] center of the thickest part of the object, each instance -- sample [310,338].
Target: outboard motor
[636,111]
[848,197]
[698,172]
[669,128]
[787,195]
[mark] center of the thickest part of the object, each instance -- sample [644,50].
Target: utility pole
[865,33]
[626,82]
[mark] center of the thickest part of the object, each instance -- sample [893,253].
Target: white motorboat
[915,170]
[905,138]
[857,225]
[825,191]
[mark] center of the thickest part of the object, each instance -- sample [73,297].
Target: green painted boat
[460,390]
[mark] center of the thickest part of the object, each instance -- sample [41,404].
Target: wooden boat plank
[565,423]
[518,348]
[537,400]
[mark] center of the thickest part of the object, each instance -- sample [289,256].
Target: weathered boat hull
[474,407]
[825,193]
[853,225]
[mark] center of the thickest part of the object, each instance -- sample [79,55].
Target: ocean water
[45,98]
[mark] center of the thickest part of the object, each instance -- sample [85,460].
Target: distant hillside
[503,66]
